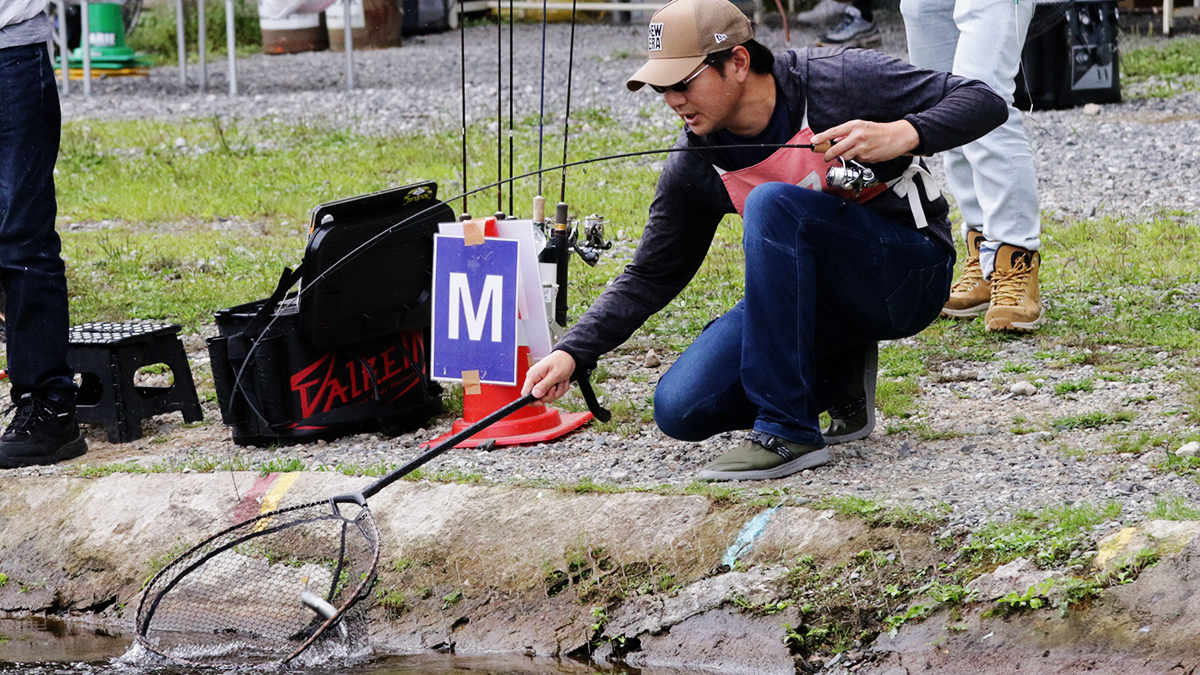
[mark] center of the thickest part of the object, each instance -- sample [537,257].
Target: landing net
[266,590]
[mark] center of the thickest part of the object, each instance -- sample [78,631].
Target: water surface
[55,647]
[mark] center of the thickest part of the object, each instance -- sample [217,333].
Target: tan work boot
[1016,305]
[971,294]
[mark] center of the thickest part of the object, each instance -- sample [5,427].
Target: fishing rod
[404,225]
[559,250]
[462,42]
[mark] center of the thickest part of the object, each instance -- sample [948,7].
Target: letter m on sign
[475,294]
[460,298]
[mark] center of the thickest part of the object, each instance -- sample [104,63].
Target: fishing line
[404,225]
[562,195]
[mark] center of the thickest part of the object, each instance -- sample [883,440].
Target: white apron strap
[906,186]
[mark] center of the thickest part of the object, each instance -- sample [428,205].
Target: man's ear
[740,62]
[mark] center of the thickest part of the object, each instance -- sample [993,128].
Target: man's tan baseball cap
[683,32]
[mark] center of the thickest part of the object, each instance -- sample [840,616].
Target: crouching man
[830,268]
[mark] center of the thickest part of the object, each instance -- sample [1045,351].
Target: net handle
[361,497]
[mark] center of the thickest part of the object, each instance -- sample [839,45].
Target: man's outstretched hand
[550,378]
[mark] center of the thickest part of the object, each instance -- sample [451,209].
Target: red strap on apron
[798,166]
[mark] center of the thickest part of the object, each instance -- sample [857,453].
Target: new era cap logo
[654,41]
[720,37]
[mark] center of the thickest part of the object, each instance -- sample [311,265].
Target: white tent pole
[349,40]
[202,43]
[86,43]
[62,45]
[230,46]
[179,43]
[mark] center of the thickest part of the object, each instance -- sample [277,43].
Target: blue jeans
[824,278]
[31,265]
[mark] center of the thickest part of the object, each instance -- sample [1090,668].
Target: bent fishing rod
[404,225]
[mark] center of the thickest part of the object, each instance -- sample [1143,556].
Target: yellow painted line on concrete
[271,501]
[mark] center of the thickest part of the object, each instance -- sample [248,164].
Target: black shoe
[42,432]
[852,417]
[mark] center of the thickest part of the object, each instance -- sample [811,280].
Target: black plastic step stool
[108,355]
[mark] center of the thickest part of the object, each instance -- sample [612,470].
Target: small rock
[1188,450]
[1022,388]
[180,142]
[651,360]
[1154,457]
[1091,109]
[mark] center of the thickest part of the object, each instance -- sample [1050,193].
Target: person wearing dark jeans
[831,267]
[43,430]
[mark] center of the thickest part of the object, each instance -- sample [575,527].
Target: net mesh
[267,589]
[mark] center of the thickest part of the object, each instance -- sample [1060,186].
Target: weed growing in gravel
[1173,507]
[446,475]
[1073,387]
[1178,57]
[281,465]
[1092,420]
[897,396]
[1046,537]
[1136,442]
[877,514]
[1189,383]
[1021,425]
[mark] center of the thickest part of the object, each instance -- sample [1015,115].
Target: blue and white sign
[475,309]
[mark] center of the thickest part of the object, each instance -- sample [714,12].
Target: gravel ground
[1135,159]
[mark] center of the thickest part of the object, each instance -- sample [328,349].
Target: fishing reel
[593,239]
[592,231]
[850,176]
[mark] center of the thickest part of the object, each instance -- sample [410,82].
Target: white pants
[992,179]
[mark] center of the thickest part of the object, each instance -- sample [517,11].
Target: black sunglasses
[680,86]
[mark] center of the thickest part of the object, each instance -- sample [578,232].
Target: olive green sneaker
[852,417]
[762,456]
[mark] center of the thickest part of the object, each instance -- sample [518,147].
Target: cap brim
[663,72]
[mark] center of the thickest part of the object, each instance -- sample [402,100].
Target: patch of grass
[1092,420]
[1015,367]
[1073,387]
[446,475]
[877,514]
[1177,57]
[896,360]
[102,470]
[1047,537]
[1021,425]
[1135,442]
[119,274]
[587,486]
[1189,383]
[281,465]
[1173,507]
[897,397]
